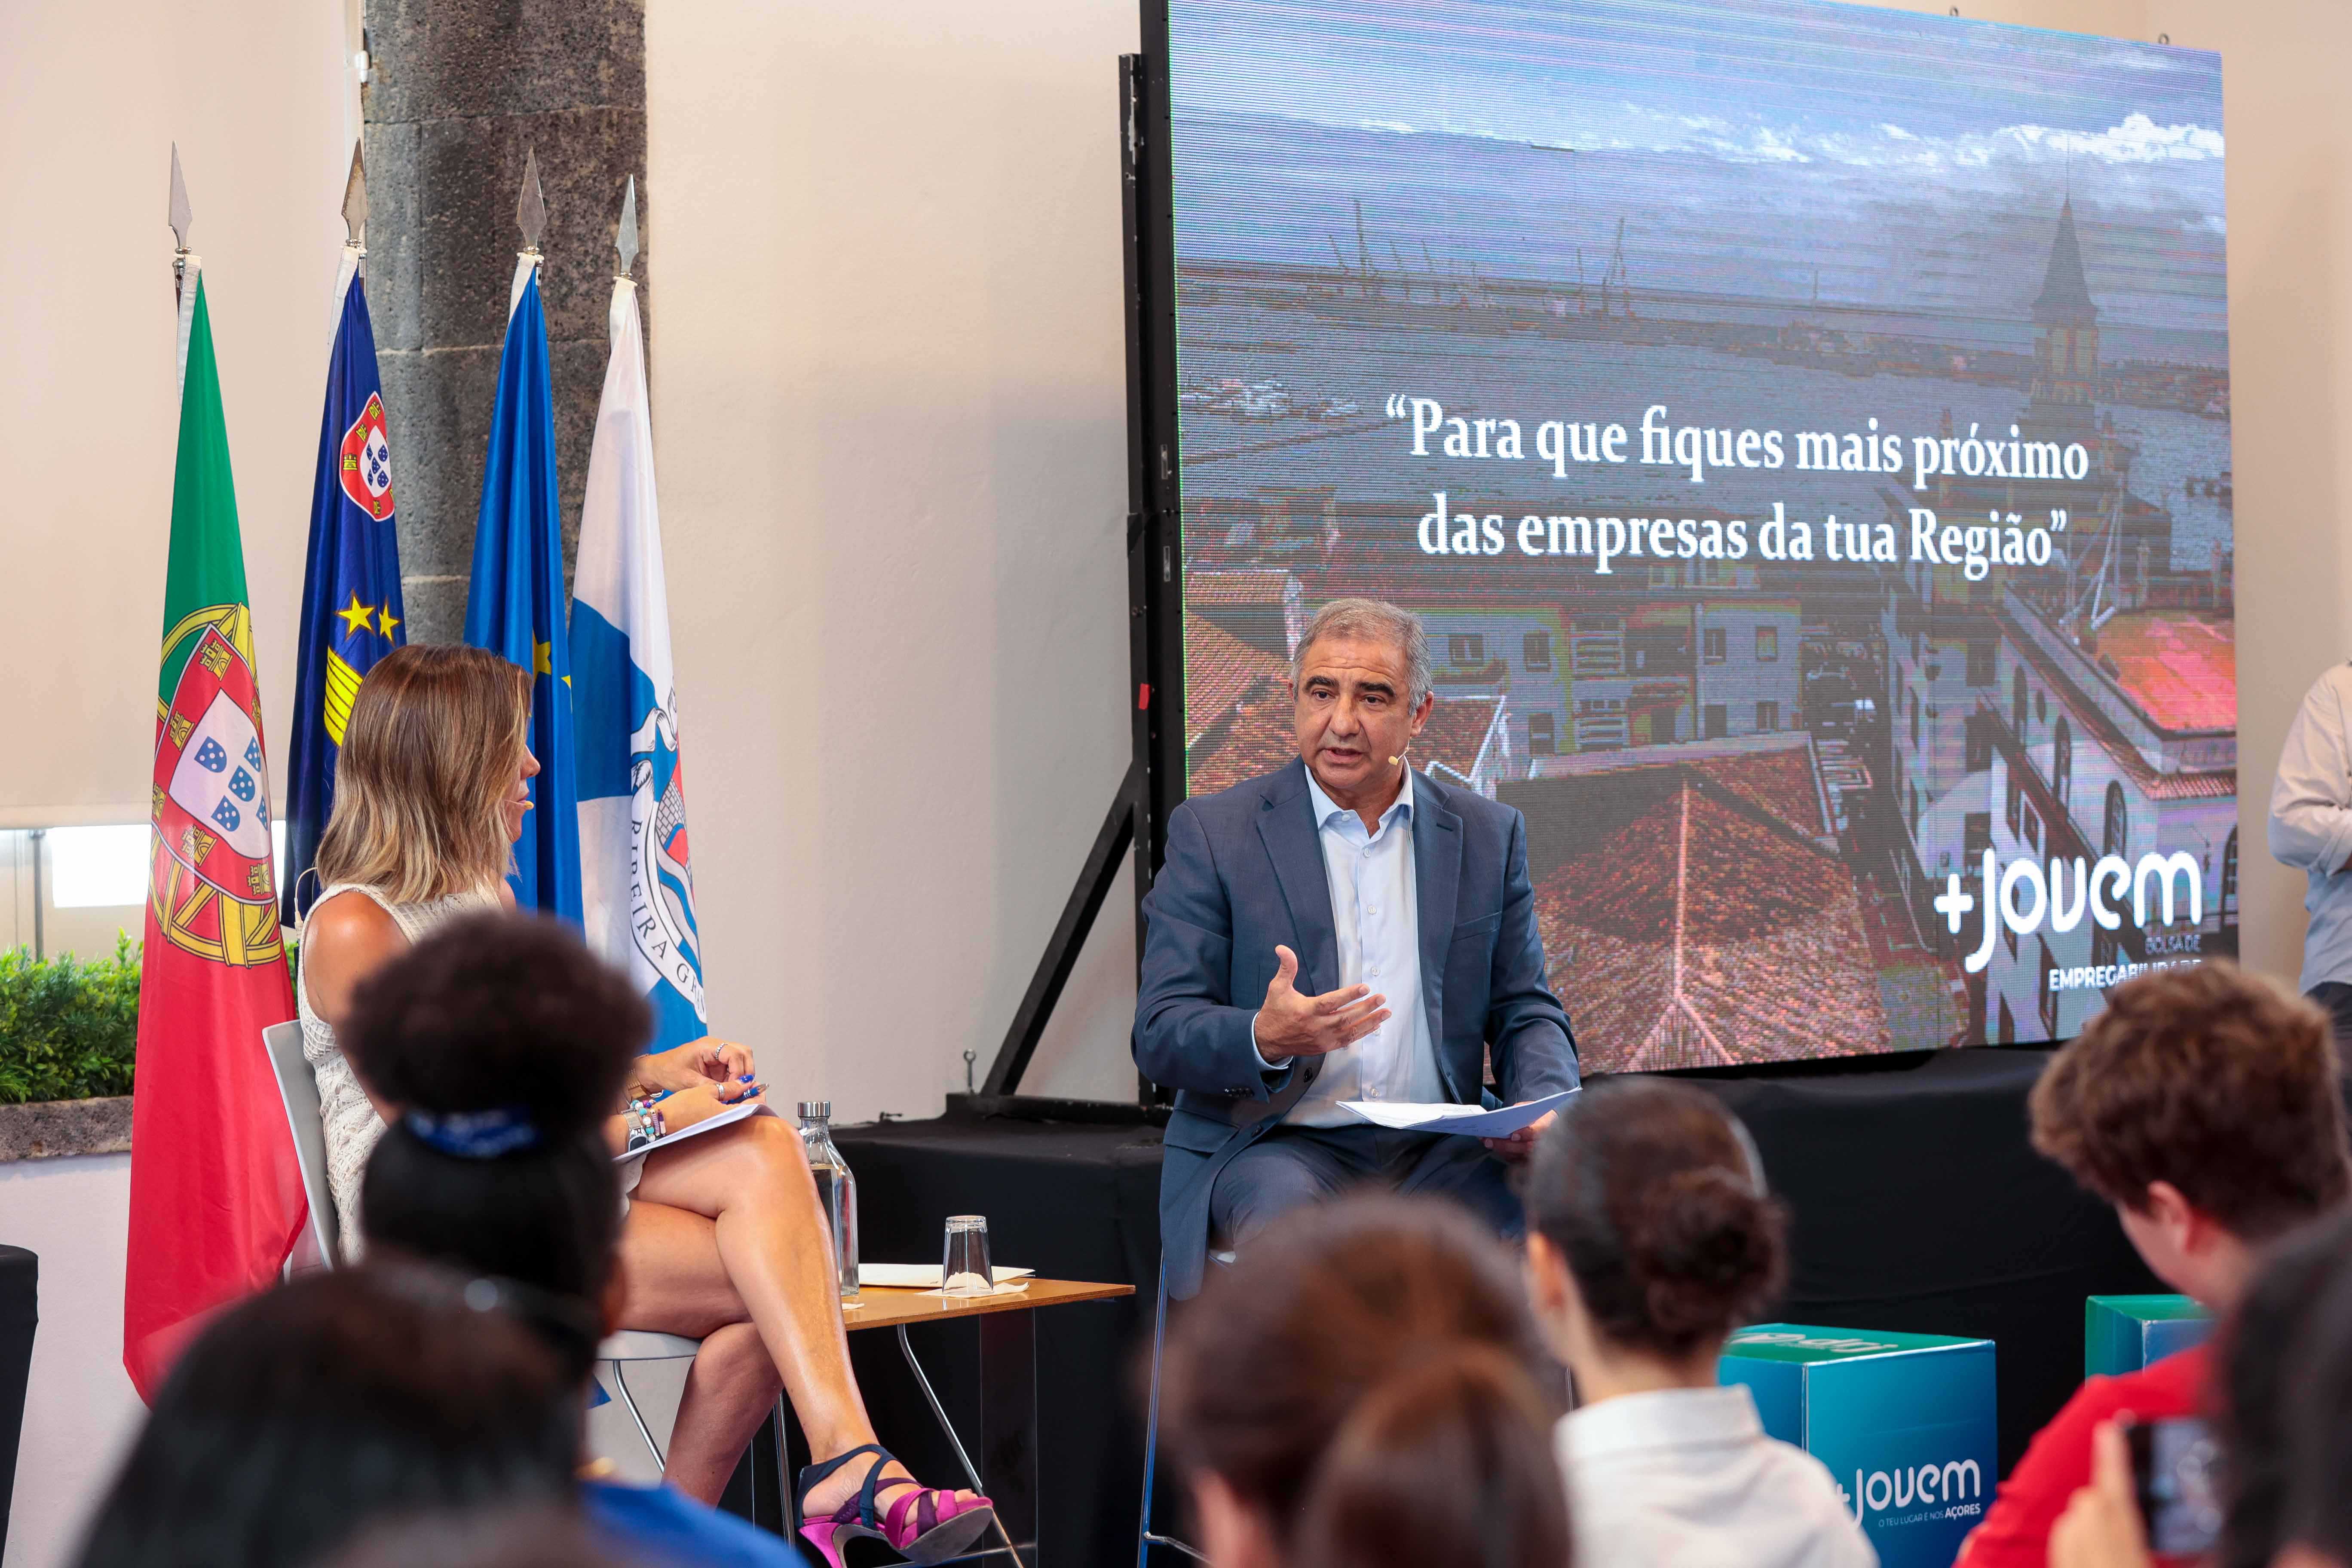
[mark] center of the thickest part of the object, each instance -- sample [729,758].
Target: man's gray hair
[1376,620]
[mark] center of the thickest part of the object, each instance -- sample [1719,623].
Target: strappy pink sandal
[925,1524]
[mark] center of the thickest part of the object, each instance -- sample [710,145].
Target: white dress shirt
[1376,916]
[2311,820]
[1686,1477]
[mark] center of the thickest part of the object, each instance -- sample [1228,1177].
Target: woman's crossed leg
[724,1230]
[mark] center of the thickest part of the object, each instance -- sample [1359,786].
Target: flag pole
[355,209]
[180,219]
[530,216]
[186,266]
[624,239]
[530,208]
[356,217]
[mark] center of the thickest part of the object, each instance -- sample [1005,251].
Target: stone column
[458,91]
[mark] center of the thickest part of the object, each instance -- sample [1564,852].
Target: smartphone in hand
[2177,1477]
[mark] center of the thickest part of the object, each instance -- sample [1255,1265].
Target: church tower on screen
[2066,349]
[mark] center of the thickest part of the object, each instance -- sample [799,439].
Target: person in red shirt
[2205,1105]
[2272,1377]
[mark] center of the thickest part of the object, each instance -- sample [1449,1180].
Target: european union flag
[514,607]
[351,612]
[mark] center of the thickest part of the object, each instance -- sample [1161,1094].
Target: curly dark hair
[1649,1190]
[499,1012]
[2209,1078]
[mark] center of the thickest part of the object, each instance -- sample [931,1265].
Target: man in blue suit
[1345,928]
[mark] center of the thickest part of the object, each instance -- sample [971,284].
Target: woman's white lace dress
[351,1124]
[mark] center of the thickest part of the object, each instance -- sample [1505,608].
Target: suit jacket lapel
[1437,873]
[1286,823]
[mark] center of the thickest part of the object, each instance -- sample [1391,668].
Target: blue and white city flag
[514,607]
[636,877]
[351,610]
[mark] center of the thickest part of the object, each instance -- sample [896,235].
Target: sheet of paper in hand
[1469,1121]
[739,1111]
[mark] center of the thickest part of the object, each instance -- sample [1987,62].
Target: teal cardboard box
[2124,1333]
[1904,1423]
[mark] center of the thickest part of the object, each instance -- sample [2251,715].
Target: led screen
[1804,432]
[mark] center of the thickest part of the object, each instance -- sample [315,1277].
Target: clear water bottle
[836,1189]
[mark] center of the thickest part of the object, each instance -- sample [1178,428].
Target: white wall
[91,98]
[81,1410]
[888,406]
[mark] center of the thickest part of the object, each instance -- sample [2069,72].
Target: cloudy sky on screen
[1918,161]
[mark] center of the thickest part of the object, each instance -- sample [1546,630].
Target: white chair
[299,1088]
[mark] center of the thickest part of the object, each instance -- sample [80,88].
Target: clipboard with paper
[1468,1121]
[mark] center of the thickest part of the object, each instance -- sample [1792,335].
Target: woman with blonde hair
[723,1239]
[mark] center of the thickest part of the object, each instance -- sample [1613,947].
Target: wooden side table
[1001,1458]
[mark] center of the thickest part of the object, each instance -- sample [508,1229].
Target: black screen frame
[1155,492]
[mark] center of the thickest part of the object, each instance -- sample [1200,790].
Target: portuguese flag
[215,1196]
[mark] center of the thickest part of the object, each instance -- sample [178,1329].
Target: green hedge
[69,1030]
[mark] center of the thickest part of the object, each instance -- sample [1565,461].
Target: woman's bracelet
[645,1123]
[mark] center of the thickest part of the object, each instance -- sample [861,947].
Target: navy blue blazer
[1244,871]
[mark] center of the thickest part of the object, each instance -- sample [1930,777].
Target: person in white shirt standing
[1650,1238]
[2311,830]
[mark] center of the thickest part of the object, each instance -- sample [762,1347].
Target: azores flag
[636,877]
[351,610]
[514,607]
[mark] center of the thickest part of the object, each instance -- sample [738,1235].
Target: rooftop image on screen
[1804,432]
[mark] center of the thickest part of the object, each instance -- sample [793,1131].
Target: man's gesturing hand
[1290,1024]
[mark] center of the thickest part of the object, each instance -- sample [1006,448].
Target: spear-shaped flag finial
[625,241]
[355,201]
[181,218]
[531,210]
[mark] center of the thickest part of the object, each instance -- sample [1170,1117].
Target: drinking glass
[963,1266]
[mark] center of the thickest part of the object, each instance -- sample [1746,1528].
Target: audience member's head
[502,1042]
[496,1538]
[302,1415]
[2204,1104]
[1364,1388]
[1650,1234]
[2316,1522]
[2261,1355]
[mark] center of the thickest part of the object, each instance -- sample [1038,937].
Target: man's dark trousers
[1291,1167]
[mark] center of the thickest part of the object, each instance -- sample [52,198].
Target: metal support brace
[971,1475]
[1061,955]
[621,1382]
[1145,1540]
